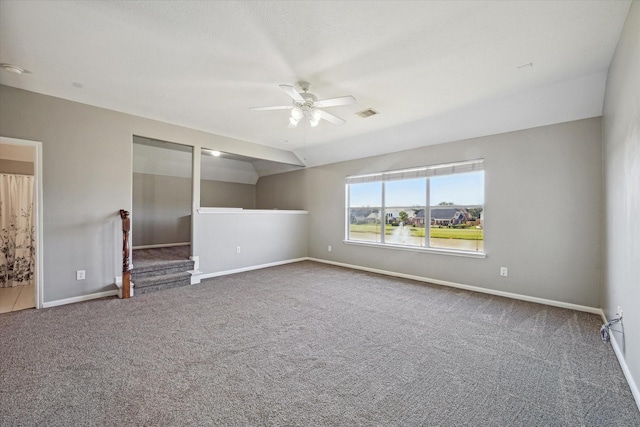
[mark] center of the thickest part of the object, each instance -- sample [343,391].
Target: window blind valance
[420,172]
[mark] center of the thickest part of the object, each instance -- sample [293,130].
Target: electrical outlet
[329,248]
[503,271]
[238,250]
[619,312]
[80,275]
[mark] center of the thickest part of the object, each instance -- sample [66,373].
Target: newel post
[126,274]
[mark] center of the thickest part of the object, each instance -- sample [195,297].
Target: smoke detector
[12,69]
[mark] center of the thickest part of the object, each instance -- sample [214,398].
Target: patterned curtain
[17,231]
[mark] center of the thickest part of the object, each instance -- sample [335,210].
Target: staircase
[155,275]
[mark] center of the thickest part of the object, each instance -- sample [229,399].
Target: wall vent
[367,113]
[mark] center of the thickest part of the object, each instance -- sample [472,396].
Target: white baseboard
[614,341]
[196,276]
[196,262]
[97,295]
[161,245]
[253,267]
[625,369]
[623,363]
[511,295]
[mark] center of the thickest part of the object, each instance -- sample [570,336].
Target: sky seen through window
[460,189]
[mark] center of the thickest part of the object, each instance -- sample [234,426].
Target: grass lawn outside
[457,233]
[439,233]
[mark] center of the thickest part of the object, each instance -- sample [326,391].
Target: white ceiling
[155,157]
[437,71]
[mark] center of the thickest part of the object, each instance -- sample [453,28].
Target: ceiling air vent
[367,113]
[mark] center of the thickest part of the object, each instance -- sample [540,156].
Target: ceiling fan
[306,104]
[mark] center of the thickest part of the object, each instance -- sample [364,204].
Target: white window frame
[405,174]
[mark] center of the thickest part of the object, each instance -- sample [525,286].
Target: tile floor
[17,298]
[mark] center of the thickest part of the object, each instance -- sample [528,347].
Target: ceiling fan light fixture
[316,115]
[293,122]
[296,114]
[306,105]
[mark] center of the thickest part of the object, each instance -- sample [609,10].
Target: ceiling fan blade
[278,107]
[334,102]
[293,93]
[331,118]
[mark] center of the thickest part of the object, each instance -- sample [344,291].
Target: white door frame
[37,172]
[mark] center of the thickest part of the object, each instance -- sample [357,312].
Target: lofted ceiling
[436,71]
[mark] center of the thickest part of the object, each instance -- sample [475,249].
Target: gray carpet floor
[309,344]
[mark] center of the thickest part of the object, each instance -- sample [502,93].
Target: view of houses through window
[391,208]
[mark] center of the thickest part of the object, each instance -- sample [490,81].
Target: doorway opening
[21,278]
[162,198]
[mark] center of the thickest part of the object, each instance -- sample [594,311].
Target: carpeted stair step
[158,282]
[153,275]
[160,268]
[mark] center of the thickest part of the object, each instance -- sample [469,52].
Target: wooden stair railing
[126,274]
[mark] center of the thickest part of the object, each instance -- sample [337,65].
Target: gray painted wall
[161,209]
[17,167]
[162,205]
[264,237]
[219,194]
[87,175]
[543,204]
[621,135]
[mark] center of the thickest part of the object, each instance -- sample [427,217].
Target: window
[403,200]
[435,207]
[365,210]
